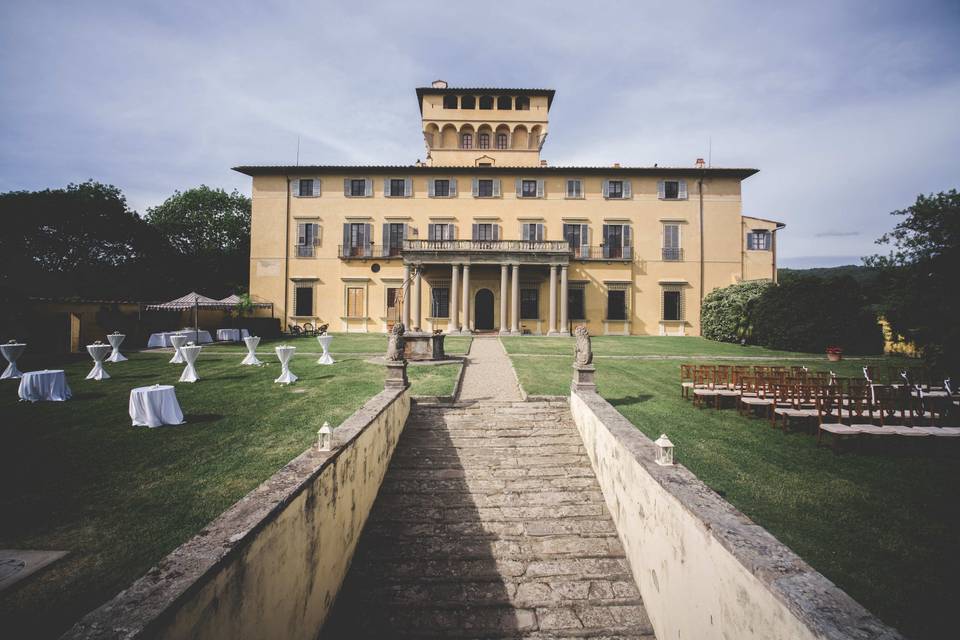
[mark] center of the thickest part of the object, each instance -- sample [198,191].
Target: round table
[177,341]
[98,352]
[11,351]
[49,384]
[285,353]
[325,345]
[115,340]
[231,335]
[252,342]
[155,406]
[190,353]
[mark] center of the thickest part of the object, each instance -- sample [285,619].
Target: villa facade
[486,236]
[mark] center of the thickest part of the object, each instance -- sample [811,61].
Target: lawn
[880,524]
[343,344]
[76,476]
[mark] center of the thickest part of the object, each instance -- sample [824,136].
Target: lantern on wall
[325,437]
[664,451]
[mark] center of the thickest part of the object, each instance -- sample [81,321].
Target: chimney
[543,163]
[439,84]
[700,163]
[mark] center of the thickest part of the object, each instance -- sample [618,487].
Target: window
[576,304]
[486,102]
[484,232]
[393,310]
[501,141]
[672,189]
[485,188]
[616,304]
[440,303]
[672,304]
[466,141]
[393,234]
[308,236]
[484,140]
[358,188]
[305,188]
[356,239]
[532,231]
[615,189]
[440,231]
[468,102]
[303,300]
[523,103]
[528,189]
[616,241]
[355,302]
[441,188]
[398,187]
[529,304]
[671,242]
[449,102]
[759,240]
[574,189]
[504,103]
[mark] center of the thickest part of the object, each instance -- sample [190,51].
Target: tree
[209,231]
[723,315]
[919,277]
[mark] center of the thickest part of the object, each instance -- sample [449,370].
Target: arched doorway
[483,305]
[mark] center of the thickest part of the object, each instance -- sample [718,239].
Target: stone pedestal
[396,375]
[420,345]
[584,378]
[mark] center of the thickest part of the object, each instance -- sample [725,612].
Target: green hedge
[723,315]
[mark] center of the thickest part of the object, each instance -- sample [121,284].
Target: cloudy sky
[849,109]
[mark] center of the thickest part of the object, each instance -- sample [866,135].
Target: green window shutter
[408,187]
[453,187]
[368,187]
[660,191]
[496,188]
[295,187]
[316,187]
[627,189]
[476,190]
[431,187]
[540,189]
[346,186]
[518,183]
[386,187]
[682,192]
[606,188]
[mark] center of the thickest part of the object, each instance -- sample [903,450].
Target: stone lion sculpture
[583,354]
[395,343]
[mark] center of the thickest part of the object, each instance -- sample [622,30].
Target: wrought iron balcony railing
[367,250]
[603,252]
[672,254]
[542,246]
[305,251]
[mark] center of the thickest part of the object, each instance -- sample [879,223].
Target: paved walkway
[489,374]
[489,523]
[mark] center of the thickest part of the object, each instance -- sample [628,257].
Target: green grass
[881,524]
[342,344]
[76,476]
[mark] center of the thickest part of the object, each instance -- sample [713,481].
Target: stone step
[453,547]
[492,530]
[466,499]
[507,569]
[473,484]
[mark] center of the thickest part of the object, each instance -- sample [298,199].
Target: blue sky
[849,109]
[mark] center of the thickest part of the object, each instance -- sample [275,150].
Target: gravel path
[489,374]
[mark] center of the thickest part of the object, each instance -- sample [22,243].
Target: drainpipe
[286,261]
[700,192]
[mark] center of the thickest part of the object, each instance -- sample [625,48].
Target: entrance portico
[475,289]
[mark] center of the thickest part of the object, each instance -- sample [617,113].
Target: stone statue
[583,354]
[395,344]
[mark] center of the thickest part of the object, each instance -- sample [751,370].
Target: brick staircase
[490,524]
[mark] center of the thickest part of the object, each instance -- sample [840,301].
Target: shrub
[723,315]
[809,314]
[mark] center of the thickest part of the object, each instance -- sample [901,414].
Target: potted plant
[834,353]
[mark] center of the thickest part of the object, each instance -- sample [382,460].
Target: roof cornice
[685,172]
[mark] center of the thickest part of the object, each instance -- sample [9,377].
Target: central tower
[471,127]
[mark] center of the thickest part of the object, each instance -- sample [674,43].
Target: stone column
[405,308]
[552,327]
[466,299]
[504,328]
[415,319]
[515,299]
[564,315]
[454,300]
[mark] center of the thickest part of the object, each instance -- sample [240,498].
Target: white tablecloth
[251,358]
[11,351]
[190,353]
[49,384]
[162,339]
[115,340]
[177,341]
[285,354]
[155,406]
[231,335]
[98,352]
[325,341]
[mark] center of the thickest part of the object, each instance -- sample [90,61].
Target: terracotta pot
[834,357]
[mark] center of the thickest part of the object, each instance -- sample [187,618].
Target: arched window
[483,140]
[486,102]
[468,102]
[449,102]
[523,103]
[501,141]
[466,141]
[504,103]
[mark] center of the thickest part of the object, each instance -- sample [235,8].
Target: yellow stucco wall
[273,267]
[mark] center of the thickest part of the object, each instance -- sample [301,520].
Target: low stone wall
[271,565]
[704,569]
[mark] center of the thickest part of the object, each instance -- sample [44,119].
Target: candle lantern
[325,437]
[664,451]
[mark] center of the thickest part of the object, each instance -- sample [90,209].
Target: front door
[484,310]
